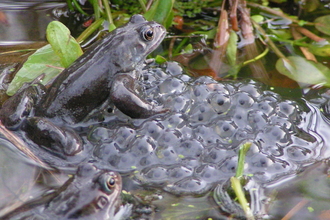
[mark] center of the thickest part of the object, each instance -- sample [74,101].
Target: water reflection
[17,177]
[25,21]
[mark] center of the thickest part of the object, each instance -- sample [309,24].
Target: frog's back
[86,84]
[86,81]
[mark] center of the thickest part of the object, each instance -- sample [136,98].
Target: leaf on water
[38,63]
[303,70]
[64,45]
[323,24]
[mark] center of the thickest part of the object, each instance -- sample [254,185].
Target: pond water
[178,164]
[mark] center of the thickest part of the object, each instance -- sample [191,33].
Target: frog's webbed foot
[125,98]
[59,141]
[19,106]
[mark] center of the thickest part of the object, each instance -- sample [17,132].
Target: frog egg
[172,86]
[243,100]
[266,107]
[216,155]
[170,138]
[257,120]
[229,165]
[204,80]
[190,148]
[166,155]
[122,162]
[123,137]
[185,78]
[141,146]
[201,113]
[209,173]
[276,134]
[105,150]
[173,68]
[200,92]
[206,135]
[151,128]
[154,175]
[274,171]
[250,88]
[174,121]
[219,102]
[100,134]
[258,163]
[147,160]
[178,172]
[286,109]
[179,103]
[240,118]
[226,130]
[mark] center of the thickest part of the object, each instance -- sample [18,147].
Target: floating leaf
[64,45]
[323,24]
[43,60]
[303,70]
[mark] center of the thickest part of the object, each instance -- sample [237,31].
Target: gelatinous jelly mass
[195,145]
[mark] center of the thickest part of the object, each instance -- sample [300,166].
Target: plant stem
[269,41]
[108,13]
[86,33]
[143,6]
[277,13]
[237,187]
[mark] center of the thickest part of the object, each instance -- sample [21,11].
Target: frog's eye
[107,183]
[111,182]
[148,34]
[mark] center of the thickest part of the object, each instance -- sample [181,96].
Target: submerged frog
[107,71]
[91,194]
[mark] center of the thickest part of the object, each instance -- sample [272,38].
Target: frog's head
[93,193]
[135,40]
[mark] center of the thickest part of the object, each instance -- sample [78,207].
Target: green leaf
[44,60]
[159,59]
[161,12]
[323,24]
[232,48]
[303,70]
[64,45]
[321,48]
[282,33]
[257,18]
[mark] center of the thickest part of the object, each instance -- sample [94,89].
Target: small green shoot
[236,181]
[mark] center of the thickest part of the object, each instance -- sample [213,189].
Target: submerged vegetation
[275,42]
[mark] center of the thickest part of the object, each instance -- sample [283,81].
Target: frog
[91,193]
[108,71]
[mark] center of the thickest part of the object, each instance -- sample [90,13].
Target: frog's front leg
[18,107]
[127,100]
[57,140]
